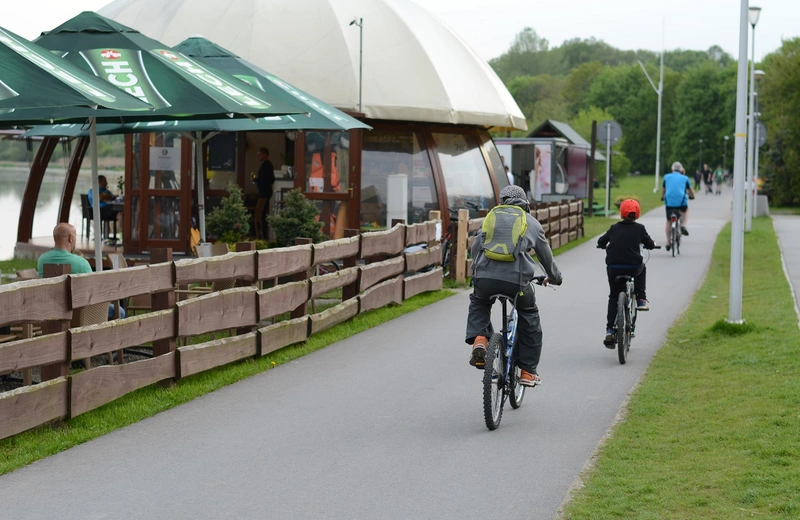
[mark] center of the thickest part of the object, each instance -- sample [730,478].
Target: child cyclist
[624,257]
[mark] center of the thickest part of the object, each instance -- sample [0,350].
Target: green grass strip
[713,431]
[47,440]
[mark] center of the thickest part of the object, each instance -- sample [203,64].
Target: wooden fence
[562,223]
[386,276]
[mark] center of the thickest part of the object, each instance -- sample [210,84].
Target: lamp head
[726,137]
[354,21]
[753,15]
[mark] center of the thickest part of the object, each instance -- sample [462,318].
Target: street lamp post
[753,15]
[737,220]
[660,92]
[359,22]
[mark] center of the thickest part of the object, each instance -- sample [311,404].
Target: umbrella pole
[98,235]
[197,141]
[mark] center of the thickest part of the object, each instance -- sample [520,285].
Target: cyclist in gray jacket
[513,279]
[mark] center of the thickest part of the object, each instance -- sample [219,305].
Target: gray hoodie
[534,238]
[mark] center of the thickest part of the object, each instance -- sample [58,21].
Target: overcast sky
[489,26]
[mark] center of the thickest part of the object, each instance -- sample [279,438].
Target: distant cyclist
[676,190]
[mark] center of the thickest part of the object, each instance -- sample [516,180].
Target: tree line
[587,79]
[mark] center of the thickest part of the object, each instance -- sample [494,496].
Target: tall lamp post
[359,22]
[660,92]
[753,15]
[740,134]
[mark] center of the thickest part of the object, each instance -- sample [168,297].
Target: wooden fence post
[51,327]
[461,243]
[162,301]
[241,247]
[350,291]
[302,310]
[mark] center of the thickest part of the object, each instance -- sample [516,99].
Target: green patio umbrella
[38,86]
[319,116]
[178,86]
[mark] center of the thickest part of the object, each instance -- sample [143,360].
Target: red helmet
[629,206]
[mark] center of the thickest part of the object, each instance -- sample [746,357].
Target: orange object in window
[318,171]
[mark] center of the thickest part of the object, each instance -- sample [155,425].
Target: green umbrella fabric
[320,115]
[37,86]
[178,86]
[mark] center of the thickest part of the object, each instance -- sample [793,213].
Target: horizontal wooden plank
[35,301]
[573,222]
[389,242]
[118,284]
[93,388]
[216,311]
[424,258]
[333,316]
[231,266]
[328,282]
[417,233]
[390,291]
[423,282]
[109,336]
[283,298]
[573,235]
[555,241]
[205,356]
[336,249]
[374,273]
[31,406]
[555,212]
[283,334]
[474,224]
[434,230]
[284,261]
[564,224]
[470,241]
[574,208]
[34,352]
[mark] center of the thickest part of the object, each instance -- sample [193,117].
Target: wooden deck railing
[251,311]
[562,223]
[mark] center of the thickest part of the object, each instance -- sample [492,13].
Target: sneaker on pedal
[684,231]
[478,356]
[528,379]
[610,340]
[642,305]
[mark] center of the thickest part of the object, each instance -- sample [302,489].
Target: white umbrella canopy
[415,68]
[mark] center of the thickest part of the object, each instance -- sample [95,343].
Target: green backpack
[502,230]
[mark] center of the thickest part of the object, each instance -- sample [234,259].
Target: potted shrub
[297,219]
[230,221]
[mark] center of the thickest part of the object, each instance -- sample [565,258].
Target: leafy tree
[230,221]
[528,41]
[579,82]
[780,104]
[297,220]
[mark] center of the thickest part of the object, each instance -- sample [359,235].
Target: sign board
[603,133]
[761,132]
[165,158]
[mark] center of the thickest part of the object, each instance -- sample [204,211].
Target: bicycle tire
[622,333]
[517,393]
[673,238]
[678,241]
[493,382]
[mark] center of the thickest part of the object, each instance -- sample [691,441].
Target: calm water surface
[12,187]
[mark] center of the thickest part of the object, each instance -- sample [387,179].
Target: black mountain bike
[675,224]
[501,373]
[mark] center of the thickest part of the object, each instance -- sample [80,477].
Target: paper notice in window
[316,183]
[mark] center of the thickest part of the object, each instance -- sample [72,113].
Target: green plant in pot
[230,221]
[297,219]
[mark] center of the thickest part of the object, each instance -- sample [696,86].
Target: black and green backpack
[503,229]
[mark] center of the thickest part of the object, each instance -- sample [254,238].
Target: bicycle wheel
[494,382]
[674,238]
[517,390]
[677,248]
[623,329]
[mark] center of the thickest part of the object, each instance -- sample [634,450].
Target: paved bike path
[787,227]
[385,424]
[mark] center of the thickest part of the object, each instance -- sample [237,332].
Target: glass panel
[218,180]
[327,160]
[500,165]
[334,217]
[165,161]
[135,217]
[391,160]
[465,175]
[137,160]
[165,218]
[221,161]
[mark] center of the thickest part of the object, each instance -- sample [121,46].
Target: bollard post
[350,291]
[302,310]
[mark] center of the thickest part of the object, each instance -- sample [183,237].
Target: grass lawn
[713,431]
[47,440]
[16,264]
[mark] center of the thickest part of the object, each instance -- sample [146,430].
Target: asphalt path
[786,227]
[388,423]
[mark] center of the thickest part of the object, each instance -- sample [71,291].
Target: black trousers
[529,328]
[639,280]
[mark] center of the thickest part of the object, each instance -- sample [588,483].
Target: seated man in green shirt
[66,238]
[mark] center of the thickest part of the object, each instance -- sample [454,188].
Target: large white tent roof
[415,68]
